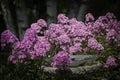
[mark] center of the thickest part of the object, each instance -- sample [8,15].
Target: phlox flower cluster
[89,17]
[61,60]
[7,37]
[111,62]
[39,25]
[41,46]
[106,26]
[94,44]
[70,35]
[30,50]
[31,46]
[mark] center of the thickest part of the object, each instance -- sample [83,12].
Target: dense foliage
[66,37]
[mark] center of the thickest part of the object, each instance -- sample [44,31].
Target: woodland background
[18,15]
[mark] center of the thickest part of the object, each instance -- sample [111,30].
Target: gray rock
[73,71]
[78,60]
[81,65]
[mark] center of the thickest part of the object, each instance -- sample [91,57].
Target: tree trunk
[8,16]
[82,10]
[22,17]
[51,11]
[36,9]
[74,7]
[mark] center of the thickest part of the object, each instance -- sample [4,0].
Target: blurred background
[18,15]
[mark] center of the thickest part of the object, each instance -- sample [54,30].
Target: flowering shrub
[7,37]
[67,37]
[106,29]
[71,35]
[31,46]
[94,44]
[111,61]
[61,60]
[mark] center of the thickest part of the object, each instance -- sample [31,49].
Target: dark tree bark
[8,16]
[39,9]
[82,10]
[74,7]
[36,9]
[22,17]
[51,11]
